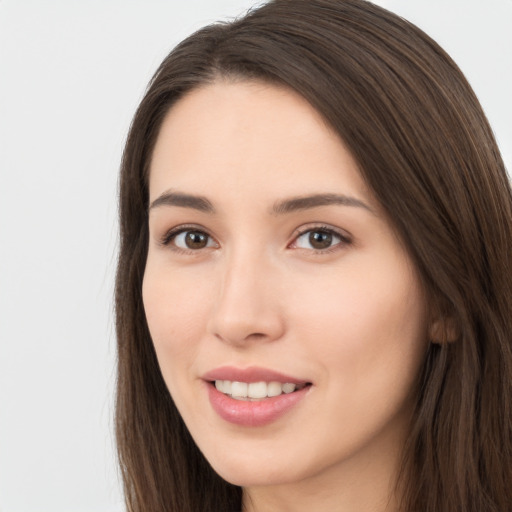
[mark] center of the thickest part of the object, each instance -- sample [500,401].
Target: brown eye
[196,240]
[320,239]
[192,240]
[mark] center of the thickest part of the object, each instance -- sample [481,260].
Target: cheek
[368,338]
[176,312]
[365,327]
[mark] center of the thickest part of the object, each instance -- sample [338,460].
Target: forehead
[250,136]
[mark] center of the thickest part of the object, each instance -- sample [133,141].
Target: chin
[244,473]
[248,478]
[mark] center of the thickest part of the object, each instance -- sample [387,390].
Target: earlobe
[444,330]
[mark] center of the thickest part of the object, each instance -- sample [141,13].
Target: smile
[253,397]
[252,391]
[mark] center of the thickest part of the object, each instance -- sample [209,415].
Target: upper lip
[250,374]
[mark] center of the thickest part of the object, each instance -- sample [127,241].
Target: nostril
[256,335]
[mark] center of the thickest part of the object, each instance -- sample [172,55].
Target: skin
[349,318]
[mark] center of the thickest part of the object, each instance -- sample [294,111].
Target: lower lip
[253,413]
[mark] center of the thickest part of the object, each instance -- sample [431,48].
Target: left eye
[192,239]
[318,239]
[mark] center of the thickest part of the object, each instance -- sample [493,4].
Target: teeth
[255,390]
[239,389]
[274,389]
[226,386]
[288,388]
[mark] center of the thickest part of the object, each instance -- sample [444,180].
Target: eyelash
[173,233]
[344,239]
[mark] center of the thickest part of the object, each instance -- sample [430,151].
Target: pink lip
[251,374]
[248,413]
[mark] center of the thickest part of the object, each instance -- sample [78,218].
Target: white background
[71,75]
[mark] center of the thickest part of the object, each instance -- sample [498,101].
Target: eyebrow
[285,206]
[313,201]
[171,198]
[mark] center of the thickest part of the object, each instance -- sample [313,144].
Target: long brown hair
[425,148]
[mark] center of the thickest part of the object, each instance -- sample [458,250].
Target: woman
[314,291]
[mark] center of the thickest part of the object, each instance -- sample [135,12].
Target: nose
[248,306]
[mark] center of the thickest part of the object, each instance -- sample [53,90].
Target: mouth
[256,391]
[253,397]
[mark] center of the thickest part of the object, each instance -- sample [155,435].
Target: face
[274,276]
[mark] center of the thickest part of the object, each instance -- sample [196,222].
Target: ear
[443,330]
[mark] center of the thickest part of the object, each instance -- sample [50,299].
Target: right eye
[189,239]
